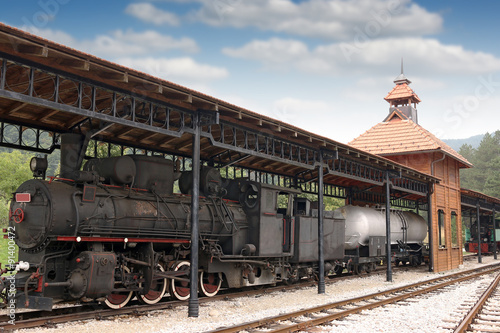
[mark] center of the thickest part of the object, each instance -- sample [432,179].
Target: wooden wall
[446,197]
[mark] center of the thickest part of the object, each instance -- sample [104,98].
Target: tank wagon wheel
[338,270]
[210,283]
[120,299]
[156,290]
[180,289]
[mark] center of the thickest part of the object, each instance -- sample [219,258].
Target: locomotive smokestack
[72,150]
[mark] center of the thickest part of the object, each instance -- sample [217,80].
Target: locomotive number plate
[23,197]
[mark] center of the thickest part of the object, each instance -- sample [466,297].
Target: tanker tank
[361,223]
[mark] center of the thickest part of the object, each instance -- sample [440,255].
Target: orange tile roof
[401,91]
[400,135]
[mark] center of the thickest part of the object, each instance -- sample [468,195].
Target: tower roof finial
[401,78]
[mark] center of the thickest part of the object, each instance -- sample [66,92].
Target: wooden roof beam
[80,64]
[33,50]
[115,76]
[14,108]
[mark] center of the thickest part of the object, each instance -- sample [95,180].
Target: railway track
[74,312]
[307,318]
[484,315]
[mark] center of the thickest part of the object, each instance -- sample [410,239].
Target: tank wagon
[113,230]
[365,241]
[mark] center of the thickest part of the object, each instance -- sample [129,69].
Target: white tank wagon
[365,232]
[361,223]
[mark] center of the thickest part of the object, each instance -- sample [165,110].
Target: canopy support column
[494,234]
[193,306]
[429,226]
[479,257]
[321,258]
[388,225]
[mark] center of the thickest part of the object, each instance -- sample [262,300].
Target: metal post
[429,226]
[321,258]
[388,225]
[195,202]
[479,258]
[494,234]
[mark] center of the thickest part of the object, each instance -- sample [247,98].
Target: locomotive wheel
[180,289]
[156,290]
[120,299]
[210,283]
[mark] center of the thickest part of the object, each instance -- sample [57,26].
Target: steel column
[494,234]
[429,226]
[195,203]
[479,258]
[321,258]
[388,225]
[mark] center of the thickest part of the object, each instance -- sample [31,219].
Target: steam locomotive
[114,229]
[486,235]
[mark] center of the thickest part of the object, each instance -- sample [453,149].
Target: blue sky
[322,65]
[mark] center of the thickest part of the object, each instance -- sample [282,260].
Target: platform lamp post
[193,304]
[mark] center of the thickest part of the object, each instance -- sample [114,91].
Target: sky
[321,65]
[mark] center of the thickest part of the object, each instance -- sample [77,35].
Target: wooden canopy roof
[50,87]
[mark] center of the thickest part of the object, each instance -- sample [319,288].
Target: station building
[400,138]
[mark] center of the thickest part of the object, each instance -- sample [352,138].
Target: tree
[14,170]
[484,177]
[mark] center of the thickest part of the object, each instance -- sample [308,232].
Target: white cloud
[426,56]
[121,43]
[183,70]
[325,19]
[148,13]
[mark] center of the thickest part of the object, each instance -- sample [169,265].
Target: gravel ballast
[428,314]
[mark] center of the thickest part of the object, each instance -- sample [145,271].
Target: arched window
[441,236]
[454,230]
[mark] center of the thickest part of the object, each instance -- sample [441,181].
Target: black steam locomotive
[115,230]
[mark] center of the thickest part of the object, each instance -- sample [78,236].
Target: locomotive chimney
[72,153]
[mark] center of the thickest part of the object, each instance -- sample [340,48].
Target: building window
[454,230]
[442,238]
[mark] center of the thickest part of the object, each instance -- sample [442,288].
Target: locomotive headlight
[38,166]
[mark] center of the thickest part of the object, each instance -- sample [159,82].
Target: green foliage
[485,176]
[5,255]
[329,202]
[102,149]
[14,169]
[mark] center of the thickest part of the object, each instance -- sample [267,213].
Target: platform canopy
[48,89]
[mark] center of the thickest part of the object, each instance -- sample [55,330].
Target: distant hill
[474,141]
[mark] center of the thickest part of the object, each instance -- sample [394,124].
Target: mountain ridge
[474,141]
